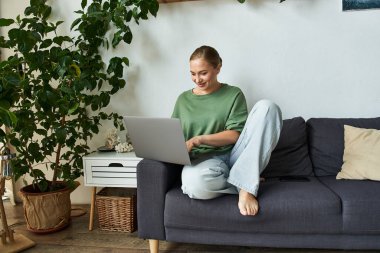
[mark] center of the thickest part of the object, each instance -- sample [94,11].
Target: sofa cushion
[326,142]
[361,157]
[285,207]
[290,157]
[360,204]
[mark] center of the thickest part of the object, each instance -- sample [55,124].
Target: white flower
[124,147]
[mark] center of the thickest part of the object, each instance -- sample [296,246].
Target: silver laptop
[158,139]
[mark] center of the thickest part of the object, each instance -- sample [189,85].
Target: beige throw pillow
[361,158]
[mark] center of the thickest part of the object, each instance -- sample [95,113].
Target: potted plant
[53,92]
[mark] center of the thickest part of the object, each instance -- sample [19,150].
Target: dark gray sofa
[320,213]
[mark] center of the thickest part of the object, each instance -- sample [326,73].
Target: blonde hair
[209,54]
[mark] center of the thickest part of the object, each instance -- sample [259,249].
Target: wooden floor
[77,238]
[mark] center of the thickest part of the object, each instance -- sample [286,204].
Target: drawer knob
[115,165]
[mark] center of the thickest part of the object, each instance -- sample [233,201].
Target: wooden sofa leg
[153,246]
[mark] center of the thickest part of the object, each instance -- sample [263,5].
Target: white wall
[307,55]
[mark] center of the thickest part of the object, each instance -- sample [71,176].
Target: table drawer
[113,175]
[104,172]
[113,169]
[119,182]
[113,163]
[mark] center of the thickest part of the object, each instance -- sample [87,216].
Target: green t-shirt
[224,109]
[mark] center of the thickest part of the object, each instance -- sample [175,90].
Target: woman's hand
[193,142]
[220,139]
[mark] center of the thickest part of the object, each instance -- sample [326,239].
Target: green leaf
[73,108]
[126,61]
[12,78]
[135,14]
[46,43]
[67,90]
[38,173]
[55,53]
[144,7]
[24,181]
[61,71]
[65,61]
[84,4]
[15,142]
[113,4]
[14,34]
[115,67]
[46,12]
[42,132]
[116,39]
[25,40]
[13,118]
[52,97]
[103,115]
[94,8]
[94,106]
[6,22]
[75,23]
[61,135]
[106,6]
[28,11]
[60,39]
[43,185]
[105,98]
[34,150]
[95,129]
[7,117]
[4,104]
[59,22]
[241,1]
[128,16]
[153,8]
[36,2]
[127,37]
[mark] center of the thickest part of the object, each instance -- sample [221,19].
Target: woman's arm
[220,139]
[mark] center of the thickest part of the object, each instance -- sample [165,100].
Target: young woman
[229,148]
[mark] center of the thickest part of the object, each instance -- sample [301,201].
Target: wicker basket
[117,209]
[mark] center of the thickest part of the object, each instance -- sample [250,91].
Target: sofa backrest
[326,141]
[290,157]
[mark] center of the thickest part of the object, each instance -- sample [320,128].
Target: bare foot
[248,204]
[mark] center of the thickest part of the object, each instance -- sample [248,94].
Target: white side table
[109,169]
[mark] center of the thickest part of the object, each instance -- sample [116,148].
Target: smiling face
[204,75]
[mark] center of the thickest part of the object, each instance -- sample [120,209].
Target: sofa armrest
[154,179]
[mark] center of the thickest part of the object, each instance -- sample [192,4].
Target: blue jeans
[212,176]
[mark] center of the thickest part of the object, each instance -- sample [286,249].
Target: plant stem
[57,157]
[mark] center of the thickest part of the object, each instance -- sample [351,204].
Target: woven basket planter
[48,211]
